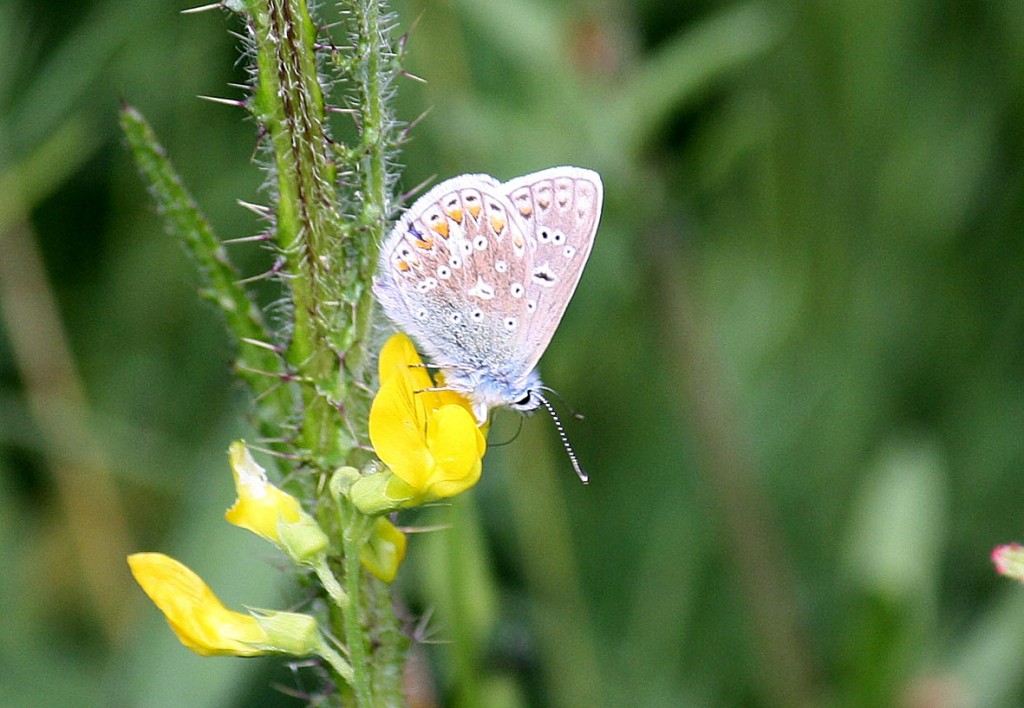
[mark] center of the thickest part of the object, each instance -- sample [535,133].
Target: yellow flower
[429,439]
[205,626]
[270,512]
[384,550]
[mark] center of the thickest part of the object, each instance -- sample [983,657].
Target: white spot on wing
[482,290]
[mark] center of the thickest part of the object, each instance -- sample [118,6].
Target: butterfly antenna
[572,411]
[580,472]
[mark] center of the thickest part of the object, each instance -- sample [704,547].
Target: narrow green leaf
[259,366]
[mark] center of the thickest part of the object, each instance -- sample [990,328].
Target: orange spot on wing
[498,224]
[425,243]
[474,210]
[455,213]
[441,227]
[526,210]
[403,266]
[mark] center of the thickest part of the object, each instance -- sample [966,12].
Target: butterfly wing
[480,273]
[452,275]
[560,209]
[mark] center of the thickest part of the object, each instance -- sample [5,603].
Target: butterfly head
[491,392]
[488,391]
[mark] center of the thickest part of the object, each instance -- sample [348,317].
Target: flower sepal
[381,493]
[288,632]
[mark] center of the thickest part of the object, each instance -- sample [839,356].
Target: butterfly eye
[526,403]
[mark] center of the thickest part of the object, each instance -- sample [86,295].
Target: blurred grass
[800,332]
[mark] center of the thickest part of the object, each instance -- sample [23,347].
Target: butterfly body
[480,272]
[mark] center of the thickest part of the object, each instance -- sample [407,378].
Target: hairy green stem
[374,140]
[258,362]
[356,532]
[289,103]
[311,378]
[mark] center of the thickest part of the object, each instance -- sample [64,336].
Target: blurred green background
[799,345]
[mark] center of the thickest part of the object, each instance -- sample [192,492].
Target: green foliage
[797,345]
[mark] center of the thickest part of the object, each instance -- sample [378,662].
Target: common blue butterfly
[480,272]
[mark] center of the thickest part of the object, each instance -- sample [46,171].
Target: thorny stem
[310,377]
[375,186]
[330,265]
[289,103]
[356,532]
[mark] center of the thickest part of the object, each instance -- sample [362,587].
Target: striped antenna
[580,472]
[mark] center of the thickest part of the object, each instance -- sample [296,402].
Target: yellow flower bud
[270,512]
[384,550]
[205,626]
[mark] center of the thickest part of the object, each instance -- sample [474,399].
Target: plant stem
[374,137]
[289,104]
[310,378]
[357,529]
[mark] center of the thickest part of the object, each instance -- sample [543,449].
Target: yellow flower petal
[398,354]
[397,430]
[270,512]
[260,506]
[428,438]
[452,437]
[200,620]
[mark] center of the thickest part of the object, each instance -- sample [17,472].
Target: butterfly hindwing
[561,208]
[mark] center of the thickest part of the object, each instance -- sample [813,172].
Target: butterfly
[479,273]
